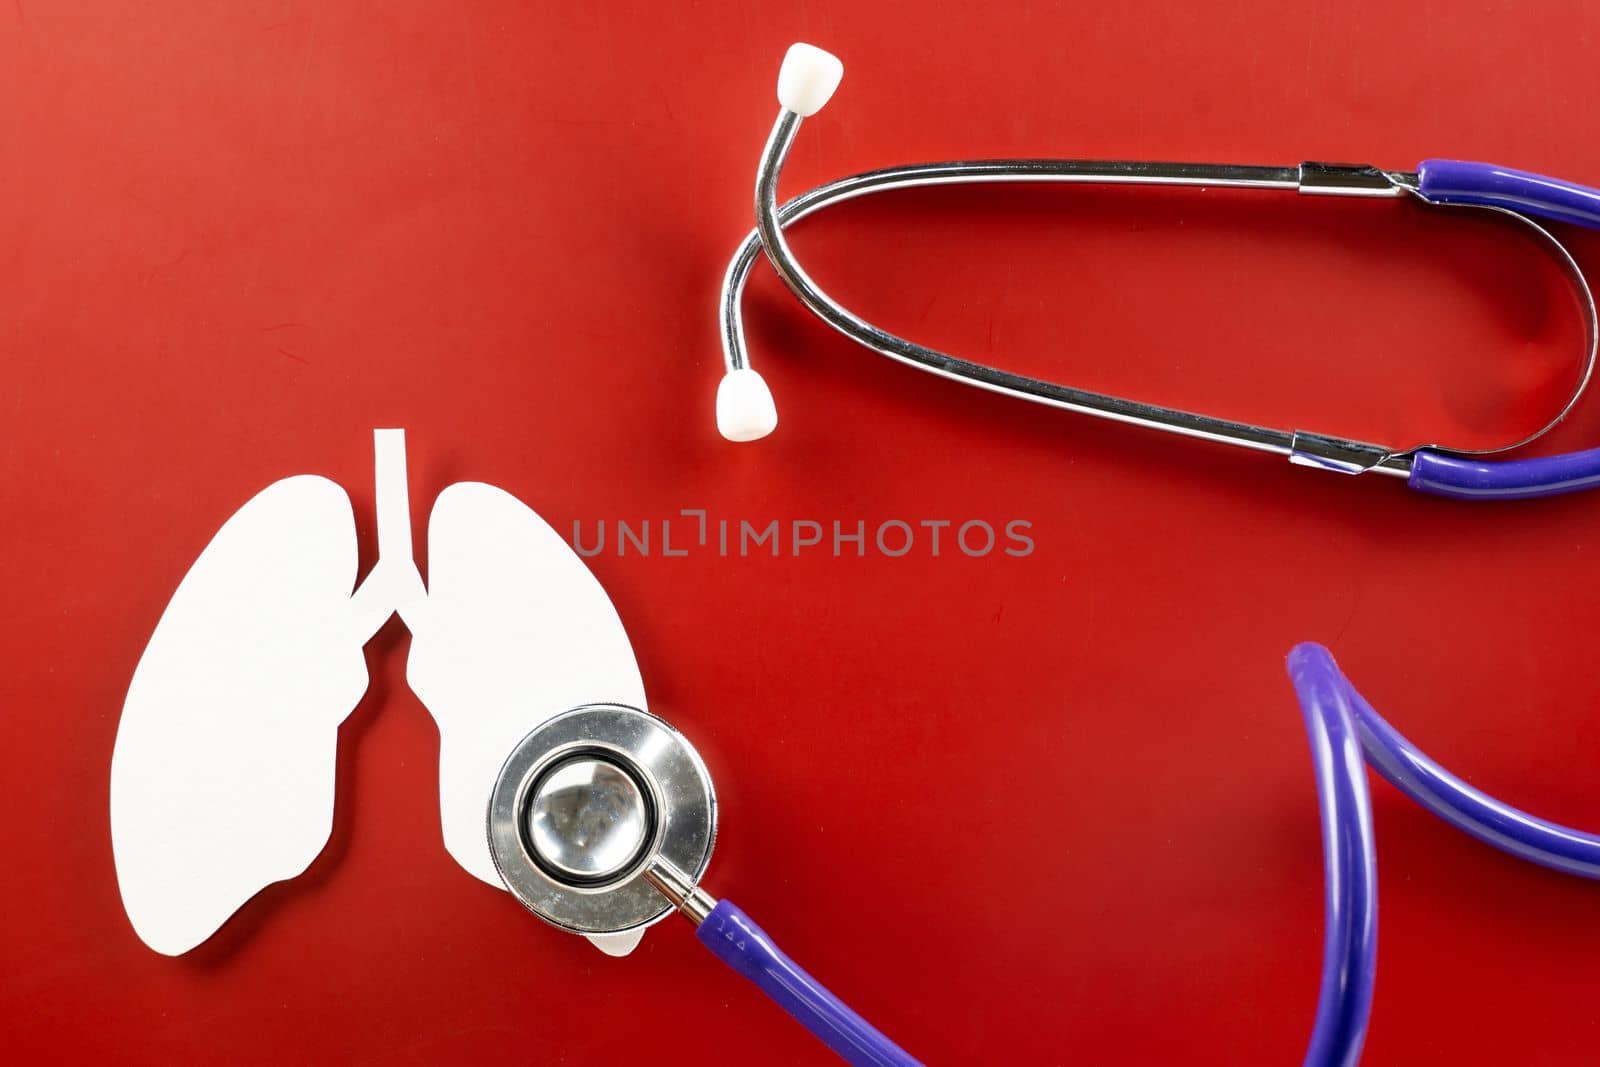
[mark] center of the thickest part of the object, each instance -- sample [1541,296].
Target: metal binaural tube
[745,407]
[769,227]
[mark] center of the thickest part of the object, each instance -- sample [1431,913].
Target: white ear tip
[745,411]
[808,78]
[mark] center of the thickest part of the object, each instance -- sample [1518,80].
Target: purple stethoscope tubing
[1464,478]
[1343,728]
[1454,181]
[1457,181]
[1344,732]
[735,939]
[1350,930]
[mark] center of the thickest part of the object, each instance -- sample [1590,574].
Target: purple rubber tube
[1491,821]
[1350,929]
[1338,720]
[733,938]
[1517,479]
[1455,181]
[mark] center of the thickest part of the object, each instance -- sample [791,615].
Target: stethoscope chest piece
[590,801]
[602,821]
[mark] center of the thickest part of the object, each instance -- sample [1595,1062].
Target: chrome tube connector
[695,903]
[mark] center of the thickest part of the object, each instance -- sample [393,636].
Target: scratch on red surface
[291,355]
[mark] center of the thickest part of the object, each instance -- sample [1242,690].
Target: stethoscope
[603,819]
[745,409]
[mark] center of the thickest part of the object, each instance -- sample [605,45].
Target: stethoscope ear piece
[807,79]
[745,411]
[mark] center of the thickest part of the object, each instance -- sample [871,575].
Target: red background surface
[1056,808]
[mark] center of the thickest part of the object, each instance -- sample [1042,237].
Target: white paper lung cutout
[222,780]
[504,593]
[222,776]
[503,588]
